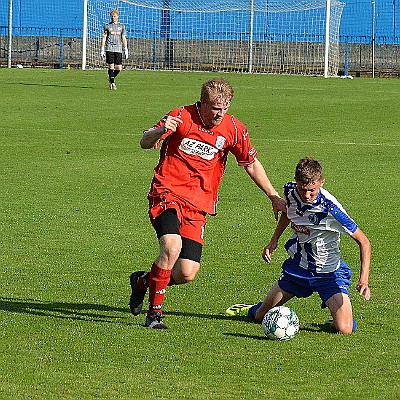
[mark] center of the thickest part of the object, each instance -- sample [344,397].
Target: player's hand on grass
[363,289]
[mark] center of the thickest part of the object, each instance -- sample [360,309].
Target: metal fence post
[251,27]
[154,50]
[10,6]
[346,58]
[373,39]
[61,66]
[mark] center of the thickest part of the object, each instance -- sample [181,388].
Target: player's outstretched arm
[365,258]
[273,243]
[257,173]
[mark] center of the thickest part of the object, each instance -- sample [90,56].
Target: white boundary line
[253,139]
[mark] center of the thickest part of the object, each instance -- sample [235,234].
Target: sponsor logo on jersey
[197,148]
[300,229]
[220,142]
[313,218]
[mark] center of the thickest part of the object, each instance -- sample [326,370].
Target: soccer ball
[280,323]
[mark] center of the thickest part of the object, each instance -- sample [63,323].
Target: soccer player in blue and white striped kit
[314,263]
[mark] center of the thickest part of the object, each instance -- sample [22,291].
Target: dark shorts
[302,283]
[168,223]
[113,58]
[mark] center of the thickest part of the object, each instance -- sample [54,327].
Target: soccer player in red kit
[195,142]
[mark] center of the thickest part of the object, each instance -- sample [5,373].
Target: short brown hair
[216,88]
[308,170]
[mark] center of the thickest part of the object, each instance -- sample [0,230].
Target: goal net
[268,36]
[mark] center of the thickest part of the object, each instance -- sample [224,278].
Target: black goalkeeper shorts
[113,58]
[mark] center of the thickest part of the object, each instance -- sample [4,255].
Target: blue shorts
[302,283]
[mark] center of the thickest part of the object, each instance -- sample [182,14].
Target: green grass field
[74,226]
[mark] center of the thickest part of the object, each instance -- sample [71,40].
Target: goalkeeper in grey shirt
[113,43]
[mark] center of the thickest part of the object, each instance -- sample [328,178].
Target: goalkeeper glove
[126,53]
[102,53]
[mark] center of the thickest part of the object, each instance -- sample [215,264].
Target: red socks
[158,280]
[143,281]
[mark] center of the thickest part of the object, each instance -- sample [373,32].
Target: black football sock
[111,75]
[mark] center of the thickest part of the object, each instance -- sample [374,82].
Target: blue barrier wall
[64,14]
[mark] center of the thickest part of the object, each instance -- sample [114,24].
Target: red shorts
[192,221]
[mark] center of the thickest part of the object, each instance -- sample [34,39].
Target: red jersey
[193,158]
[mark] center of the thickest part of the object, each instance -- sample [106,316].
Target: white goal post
[263,36]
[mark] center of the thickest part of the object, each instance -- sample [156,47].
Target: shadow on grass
[76,311]
[52,85]
[87,311]
[243,335]
[208,316]
[312,328]
[109,314]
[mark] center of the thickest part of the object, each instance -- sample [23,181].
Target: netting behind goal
[269,36]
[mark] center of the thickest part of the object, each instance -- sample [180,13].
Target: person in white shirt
[314,263]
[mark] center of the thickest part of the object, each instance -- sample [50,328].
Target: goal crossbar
[269,36]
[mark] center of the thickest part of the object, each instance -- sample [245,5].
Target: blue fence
[68,14]
[54,27]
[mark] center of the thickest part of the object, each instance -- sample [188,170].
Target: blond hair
[216,88]
[114,12]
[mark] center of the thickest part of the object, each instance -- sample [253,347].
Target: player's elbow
[250,168]
[365,245]
[362,239]
[145,144]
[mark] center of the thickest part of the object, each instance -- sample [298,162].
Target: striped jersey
[114,33]
[315,244]
[193,158]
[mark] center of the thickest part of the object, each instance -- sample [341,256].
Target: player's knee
[344,331]
[170,248]
[185,271]
[171,253]
[185,278]
[345,328]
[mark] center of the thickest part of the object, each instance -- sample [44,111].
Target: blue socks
[354,326]
[252,310]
